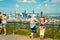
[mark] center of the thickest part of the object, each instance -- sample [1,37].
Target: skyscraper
[41,13]
[24,14]
[33,11]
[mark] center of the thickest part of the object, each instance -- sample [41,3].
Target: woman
[4,23]
[42,23]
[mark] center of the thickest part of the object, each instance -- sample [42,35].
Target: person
[33,21]
[4,17]
[42,23]
[0,22]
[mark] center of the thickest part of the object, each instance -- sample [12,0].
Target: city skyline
[47,6]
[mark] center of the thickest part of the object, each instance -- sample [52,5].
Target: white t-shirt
[4,21]
[32,22]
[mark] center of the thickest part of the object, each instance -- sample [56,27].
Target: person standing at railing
[4,18]
[42,23]
[33,21]
[0,22]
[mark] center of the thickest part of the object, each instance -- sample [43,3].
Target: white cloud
[38,7]
[47,8]
[17,6]
[1,0]
[46,5]
[52,1]
[46,1]
[55,1]
[27,1]
[4,9]
[41,7]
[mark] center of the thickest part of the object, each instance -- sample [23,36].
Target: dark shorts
[33,29]
[3,25]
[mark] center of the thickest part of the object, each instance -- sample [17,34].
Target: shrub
[57,35]
[49,33]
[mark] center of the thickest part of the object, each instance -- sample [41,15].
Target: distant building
[38,16]
[24,14]
[0,12]
[41,13]
[33,12]
[29,16]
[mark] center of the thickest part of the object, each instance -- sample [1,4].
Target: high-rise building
[33,12]
[41,13]
[24,14]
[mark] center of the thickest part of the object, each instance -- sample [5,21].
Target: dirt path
[17,37]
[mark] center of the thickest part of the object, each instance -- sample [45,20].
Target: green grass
[24,29]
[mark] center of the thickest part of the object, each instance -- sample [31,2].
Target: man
[0,22]
[4,17]
[33,21]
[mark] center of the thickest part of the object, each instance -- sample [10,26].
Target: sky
[47,6]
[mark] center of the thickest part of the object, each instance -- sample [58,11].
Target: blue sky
[47,6]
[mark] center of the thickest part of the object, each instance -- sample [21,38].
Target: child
[32,26]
